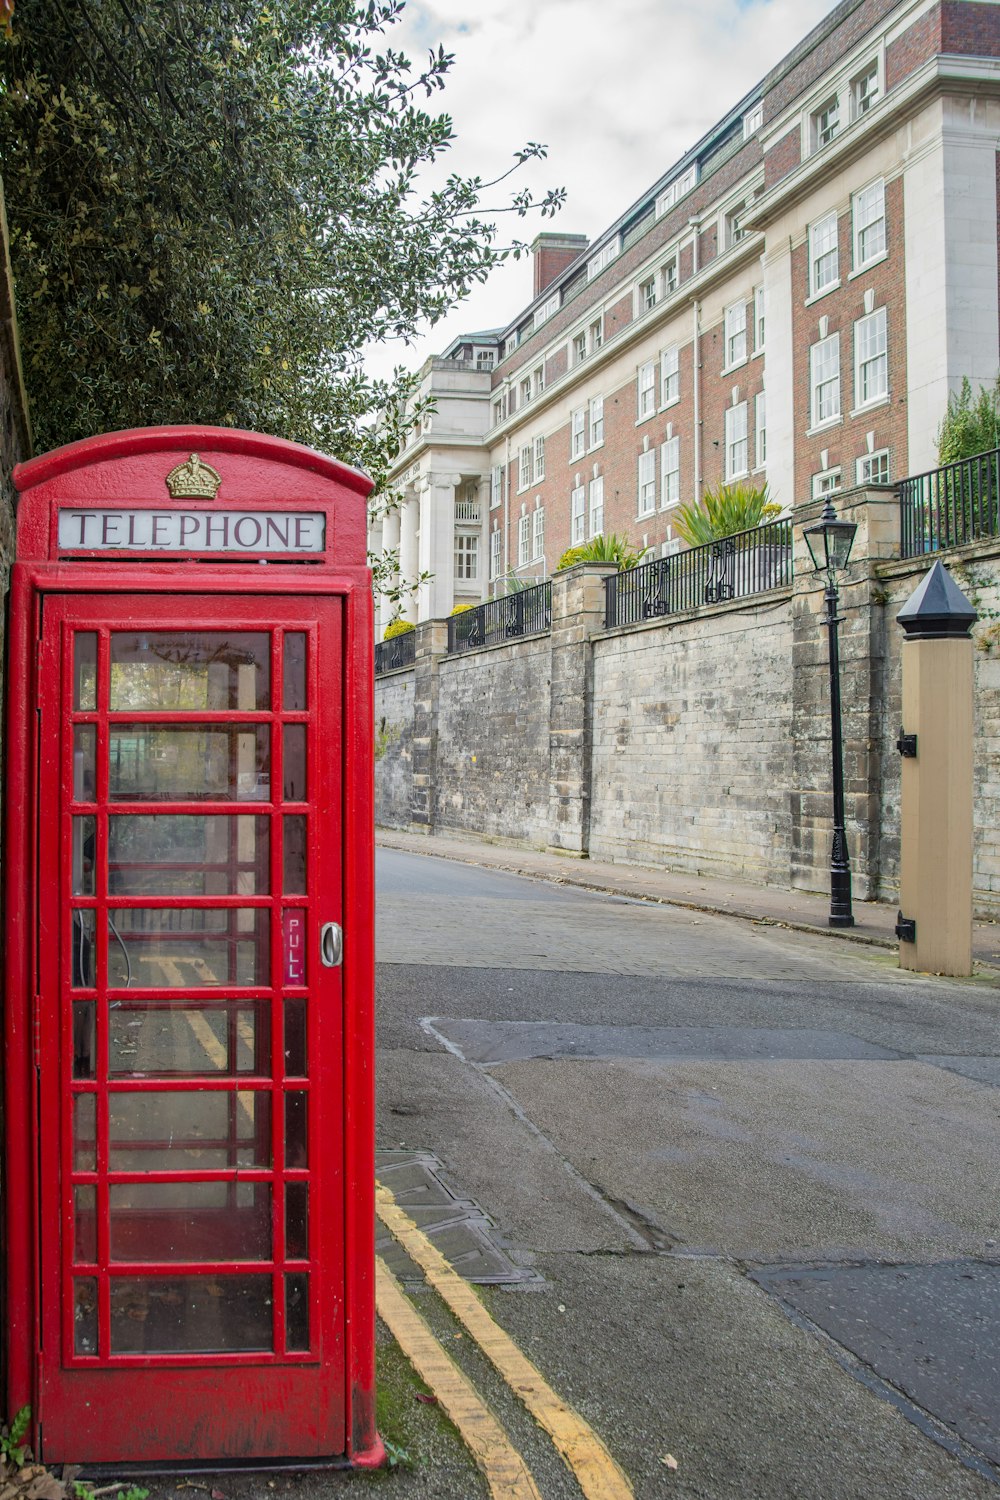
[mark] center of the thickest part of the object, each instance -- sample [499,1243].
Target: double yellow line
[597,1473]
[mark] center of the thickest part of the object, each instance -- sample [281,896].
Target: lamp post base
[839,921]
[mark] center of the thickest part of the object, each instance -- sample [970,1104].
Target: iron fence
[731,568]
[951,505]
[525,613]
[400,651]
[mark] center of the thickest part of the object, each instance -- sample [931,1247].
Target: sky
[616,91]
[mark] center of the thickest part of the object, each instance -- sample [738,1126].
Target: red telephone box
[189,966]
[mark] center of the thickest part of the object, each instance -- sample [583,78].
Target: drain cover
[456,1226]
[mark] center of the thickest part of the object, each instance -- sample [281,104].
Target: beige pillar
[935,885]
[409,564]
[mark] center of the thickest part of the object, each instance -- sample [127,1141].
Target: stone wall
[394,748]
[700,742]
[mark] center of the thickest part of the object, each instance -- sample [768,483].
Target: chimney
[553,253]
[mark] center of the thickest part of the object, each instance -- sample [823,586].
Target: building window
[733,228]
[538,533]
[676,190]
[539,459]
[597,505]
[824,380]
[752,121]
[826,123]
[873,468]
[737,448]
[549,307]
[578,434]
[647,295]
[670,472]
[466,556]
[497,476]
[485,359]
[596,334]
[670,279]
[670,376]
[869,224]
[511,343]
[871,359]
[579,347]
[578,515]
[736,334]
[826,483]
[647,483]
[864,91]
[758,320]
[496,544]
[760,431]
[500,410]
[523,539]
[604,257]
[538,381]
[824,268]
[524,468]
[596,422]
[646,403]
[525,391]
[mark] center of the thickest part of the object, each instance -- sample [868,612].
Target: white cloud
[617,93]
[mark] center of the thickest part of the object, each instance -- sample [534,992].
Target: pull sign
[293,928]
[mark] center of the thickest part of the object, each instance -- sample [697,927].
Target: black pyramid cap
[937,608]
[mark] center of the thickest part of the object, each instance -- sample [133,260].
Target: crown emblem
[193,480]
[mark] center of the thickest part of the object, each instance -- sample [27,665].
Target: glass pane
[85,671]
[168,854]
[84,847]
[294,692]
[164,1040]
[83,953]
[189,762]
[297,1312]
[193,1221]
[84,1133]
[84,1044]
[188,946]
[190,1314]
[296,1133]
[172,670]
[293,930]
[85,1224]
[295,763]
[294,855]
[205,1130]
[295,1038]
[297,1220]
[85,763]
[85,1315]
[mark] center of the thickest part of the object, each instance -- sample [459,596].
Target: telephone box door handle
[331,944]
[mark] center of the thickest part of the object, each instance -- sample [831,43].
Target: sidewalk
[806,911]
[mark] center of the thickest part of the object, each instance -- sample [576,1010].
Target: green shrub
[970,424]
[611,548]
[397,627]
[723,512]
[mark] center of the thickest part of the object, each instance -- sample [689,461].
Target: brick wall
[783,157]
[970,27]
[820,50]
[917,43]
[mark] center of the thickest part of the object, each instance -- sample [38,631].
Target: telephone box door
[191,1097]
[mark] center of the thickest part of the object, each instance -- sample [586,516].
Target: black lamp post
[830,542]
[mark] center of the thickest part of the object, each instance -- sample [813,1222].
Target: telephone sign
[189,966]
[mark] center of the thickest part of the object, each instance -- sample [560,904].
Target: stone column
[779,301]
[577,615]
[437,546]
[935,886]
[431,646]
[409,562]
[390,543]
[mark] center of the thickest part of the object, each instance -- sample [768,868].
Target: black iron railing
[946,507]
[499,620]
[747,563]
[401,651]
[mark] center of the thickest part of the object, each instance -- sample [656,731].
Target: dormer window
[677,189]
[752,121]
[604,257]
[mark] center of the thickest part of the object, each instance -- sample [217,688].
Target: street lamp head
[830,542]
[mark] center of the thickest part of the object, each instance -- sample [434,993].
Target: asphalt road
[753,1174]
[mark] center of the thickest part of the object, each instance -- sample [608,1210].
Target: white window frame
[671,276]
[753,120]
[869,228]
[538,533]
[578,515]
[539,446]
[467,556]
[525,391]
[547,310]
[496,486]
[646,484]
[733,230]
[824,255]
[737,452]
[863,467]
[827,482]
[863,97]
[735,334]
[595,505]
[670,473]
[825,122]
[485,359]
[871,359]
[670,376]
[511,342]
[676,190]
[524,467]
[595,334]
[538,381]
[595,425]
[523,539]
[824,381]
[759,329]
[496,554]
[760,430]
[646,391]
[648,295]
[578,345]
[577,433]
[607,253]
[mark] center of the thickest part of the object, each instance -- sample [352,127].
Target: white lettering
[288,533]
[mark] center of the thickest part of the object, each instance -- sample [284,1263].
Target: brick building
[791,301]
